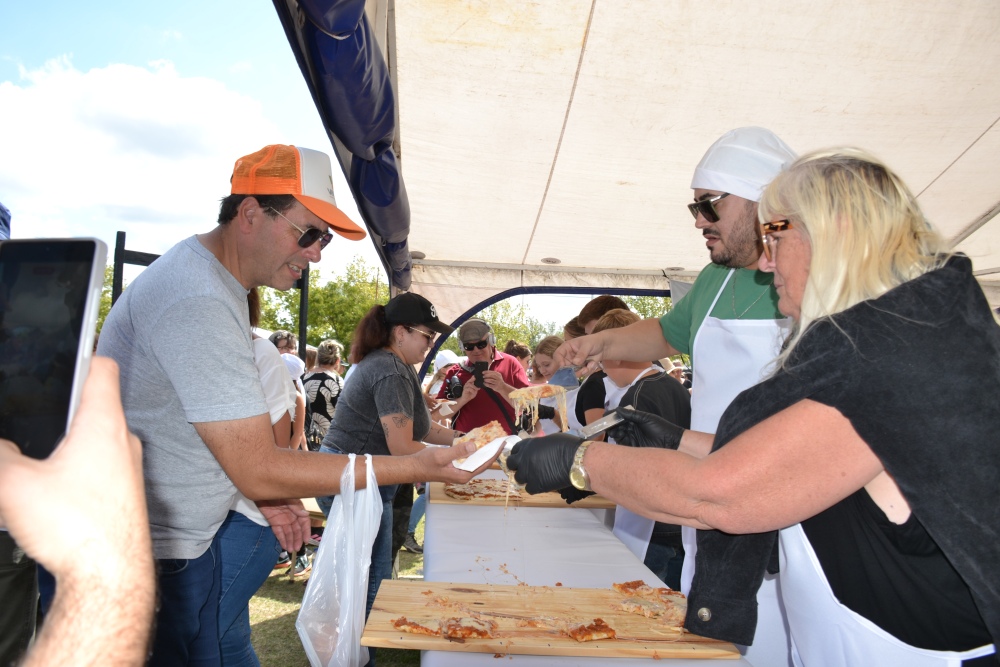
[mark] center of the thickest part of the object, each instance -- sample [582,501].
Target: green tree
[648,307]
[335,308]
[105,304]
[509,321]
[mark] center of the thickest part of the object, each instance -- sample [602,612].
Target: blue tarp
[349,81]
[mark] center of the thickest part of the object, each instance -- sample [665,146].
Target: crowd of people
[797,487]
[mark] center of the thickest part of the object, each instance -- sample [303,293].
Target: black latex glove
[644,429]
[571,494]
[546,412]
[542,464]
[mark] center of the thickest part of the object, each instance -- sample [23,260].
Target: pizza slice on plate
[482,436]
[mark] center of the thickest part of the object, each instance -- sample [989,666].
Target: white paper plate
[487,452]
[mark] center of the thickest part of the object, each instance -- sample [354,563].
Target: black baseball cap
[410,308]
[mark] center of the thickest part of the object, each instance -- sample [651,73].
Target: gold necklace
[759,297]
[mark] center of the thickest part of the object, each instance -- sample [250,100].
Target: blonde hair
[548,345]
[616,319]
[865,228]
[329,352]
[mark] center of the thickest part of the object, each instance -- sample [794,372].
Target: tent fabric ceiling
[569,129]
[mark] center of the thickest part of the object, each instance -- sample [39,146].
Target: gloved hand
[644,429]
[571,494]
[546,412]
[542,464]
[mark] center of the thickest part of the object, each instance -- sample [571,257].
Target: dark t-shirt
[591,395]
[663,396]
[380,385]
[894,575]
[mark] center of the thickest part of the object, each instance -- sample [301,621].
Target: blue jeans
[666,563]
[417,513]
[249,552]
[381,567]
[187,624]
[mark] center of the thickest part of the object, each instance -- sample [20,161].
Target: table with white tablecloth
[534,546]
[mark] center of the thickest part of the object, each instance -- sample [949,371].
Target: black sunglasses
[707,207]
[310,235]
[469,347]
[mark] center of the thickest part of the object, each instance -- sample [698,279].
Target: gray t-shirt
[181,335]
[380,385]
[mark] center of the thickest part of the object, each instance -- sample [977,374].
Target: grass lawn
[274,608]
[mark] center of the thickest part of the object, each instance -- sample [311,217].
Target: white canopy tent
[534,132]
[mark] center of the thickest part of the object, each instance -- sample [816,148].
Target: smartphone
[477,372]
[50,292]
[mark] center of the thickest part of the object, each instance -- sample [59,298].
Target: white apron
[632,529]
[730,356]
[828,634]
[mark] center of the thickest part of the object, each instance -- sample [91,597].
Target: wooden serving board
[437,495]
[512,607]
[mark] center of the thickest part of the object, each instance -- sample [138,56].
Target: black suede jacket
[873,364]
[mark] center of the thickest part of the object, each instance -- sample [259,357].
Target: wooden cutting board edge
[550,500]
[534,641]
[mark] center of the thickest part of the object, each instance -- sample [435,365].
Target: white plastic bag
[332,616]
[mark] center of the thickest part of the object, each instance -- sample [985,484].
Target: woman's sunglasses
[428,336]
[481,345]
[707,207]
[768,228]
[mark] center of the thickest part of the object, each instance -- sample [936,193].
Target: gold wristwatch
[578,476]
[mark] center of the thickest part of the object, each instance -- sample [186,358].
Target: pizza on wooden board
[666,605]
[482,488]
[592,632]
[452,628]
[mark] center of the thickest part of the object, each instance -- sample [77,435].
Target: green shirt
[749,295]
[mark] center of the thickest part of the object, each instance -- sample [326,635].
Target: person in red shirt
[480,401]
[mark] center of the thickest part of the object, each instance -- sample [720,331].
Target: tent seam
[562,131]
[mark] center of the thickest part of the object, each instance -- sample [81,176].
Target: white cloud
[172,35]
[142,150]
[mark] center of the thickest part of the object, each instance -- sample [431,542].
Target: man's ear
[248,213]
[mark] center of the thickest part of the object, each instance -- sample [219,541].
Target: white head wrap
[742,162]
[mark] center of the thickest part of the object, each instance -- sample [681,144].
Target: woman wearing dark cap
[381,409]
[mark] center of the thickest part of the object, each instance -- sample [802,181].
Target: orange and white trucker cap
[301,172]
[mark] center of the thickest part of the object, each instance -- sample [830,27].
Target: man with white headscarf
[728,323]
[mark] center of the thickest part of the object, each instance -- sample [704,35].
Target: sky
[128,116]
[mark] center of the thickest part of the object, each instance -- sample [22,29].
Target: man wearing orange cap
[199,410]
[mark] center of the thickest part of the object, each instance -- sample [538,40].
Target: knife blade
[601,425]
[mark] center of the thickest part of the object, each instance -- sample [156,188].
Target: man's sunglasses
[767,228]
[707,207]
[310,235]
[481,345]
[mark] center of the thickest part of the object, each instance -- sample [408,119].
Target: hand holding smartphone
[50,292]
[478,368]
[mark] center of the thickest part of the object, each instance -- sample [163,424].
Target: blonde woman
[873,480]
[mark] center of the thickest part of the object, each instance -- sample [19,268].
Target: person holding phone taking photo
[487,378]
